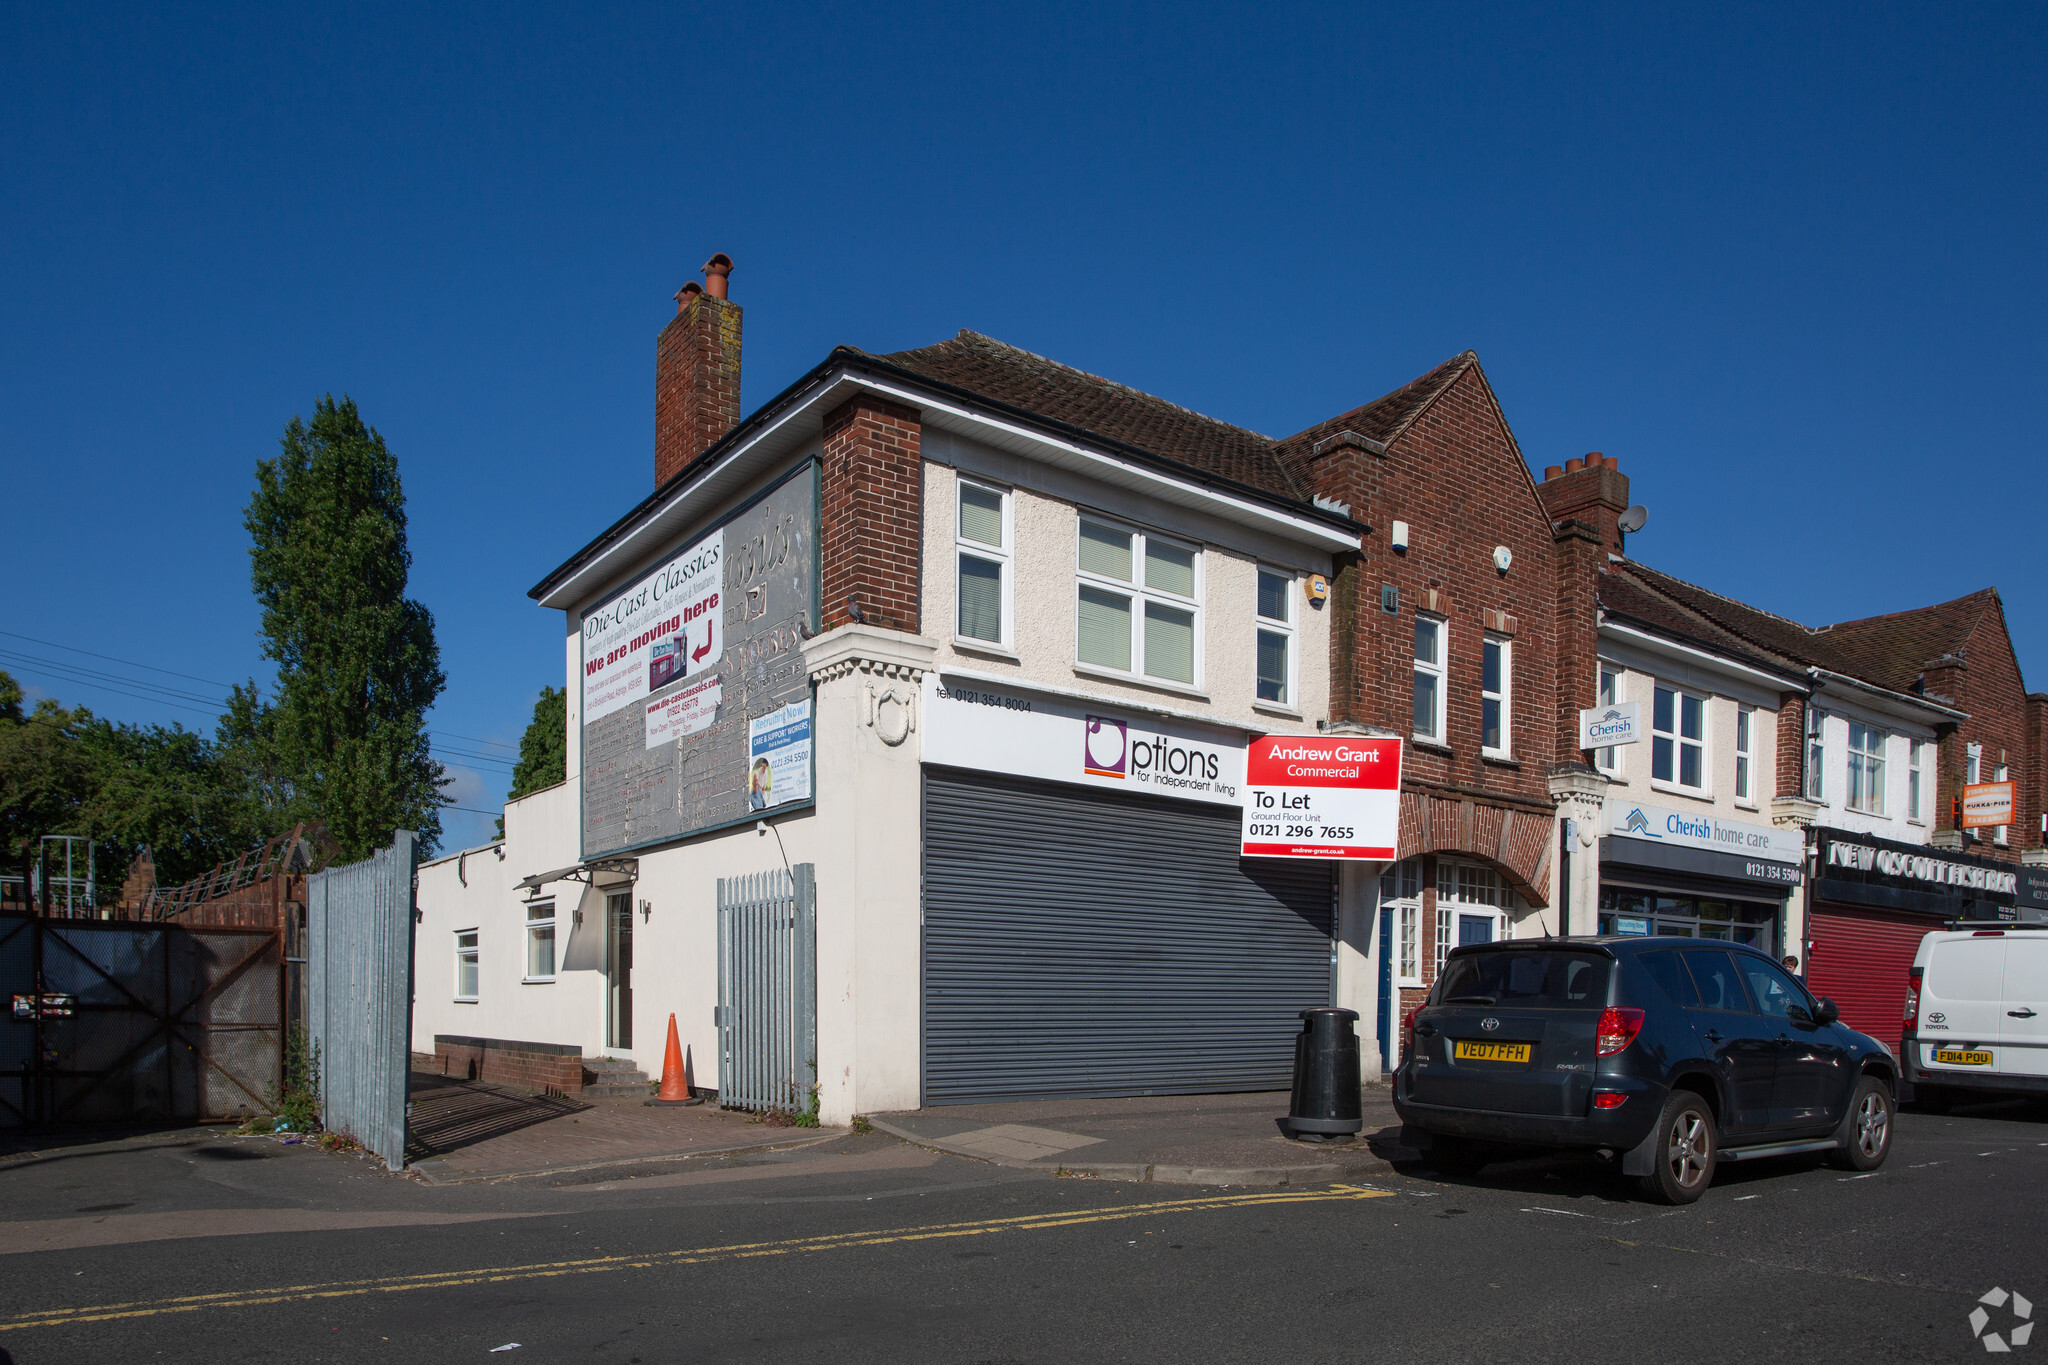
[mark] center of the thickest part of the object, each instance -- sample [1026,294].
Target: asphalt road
[877,1251]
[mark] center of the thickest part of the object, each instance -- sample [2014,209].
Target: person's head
[1791,963]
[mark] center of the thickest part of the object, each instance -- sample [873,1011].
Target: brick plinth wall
[537,1068]
[696,383]
[1791,755]
[872,513]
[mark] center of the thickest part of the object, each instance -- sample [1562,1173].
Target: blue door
[1475,929]
[1386,990]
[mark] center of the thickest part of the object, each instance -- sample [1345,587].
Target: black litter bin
[1327,1100]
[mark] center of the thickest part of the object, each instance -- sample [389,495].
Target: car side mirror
[1798,1015]
[1825,1012]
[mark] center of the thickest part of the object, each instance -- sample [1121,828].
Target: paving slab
[464,1131]
[1169,1139]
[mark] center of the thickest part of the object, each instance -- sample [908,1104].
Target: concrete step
[614,1078]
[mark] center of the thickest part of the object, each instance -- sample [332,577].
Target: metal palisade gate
[359,927]
[768,989]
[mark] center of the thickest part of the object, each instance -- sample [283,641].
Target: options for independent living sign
[679,664]
[1314,796]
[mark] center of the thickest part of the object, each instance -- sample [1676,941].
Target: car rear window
[1535,980]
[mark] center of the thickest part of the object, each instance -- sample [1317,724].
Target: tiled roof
[1887,651]
[1117,412]
[1625,596]
[1890,650]
[1385,418]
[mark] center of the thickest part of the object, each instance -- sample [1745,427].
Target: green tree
[543,749]
[44,773]
[345,739]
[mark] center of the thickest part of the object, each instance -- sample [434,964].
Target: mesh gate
[768,989]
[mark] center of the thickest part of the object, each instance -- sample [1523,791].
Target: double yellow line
[452,1279]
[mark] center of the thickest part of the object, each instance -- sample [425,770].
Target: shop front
[1089,926]
[1872,902]
[1691,875]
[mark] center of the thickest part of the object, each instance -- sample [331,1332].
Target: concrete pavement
[1164,1139]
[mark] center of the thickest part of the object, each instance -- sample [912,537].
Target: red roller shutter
[1860,959]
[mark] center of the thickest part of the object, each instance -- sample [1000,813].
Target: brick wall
[1791,752]
[1456,476]
[871,531]
[537,1068]
[696,382]
[1985,681]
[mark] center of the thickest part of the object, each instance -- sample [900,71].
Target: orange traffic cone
[675,1073]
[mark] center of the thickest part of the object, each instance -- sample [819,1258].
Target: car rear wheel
[1687,1151]
[1866,1131]
[1456,1156]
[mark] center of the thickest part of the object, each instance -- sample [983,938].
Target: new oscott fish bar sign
[1321,797]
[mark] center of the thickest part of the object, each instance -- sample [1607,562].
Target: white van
[1977,1014]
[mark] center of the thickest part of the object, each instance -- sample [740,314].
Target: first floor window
[1429,678]
[1866,768]
[1678,743]
[2000,834]
[983,551]
[1494,670]
[465,965]
[1745,723]
[1913,811]
[1816,753]
[1276,638]
[1139,603]
[540,941]
[1610,693]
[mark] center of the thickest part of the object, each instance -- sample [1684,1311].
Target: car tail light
[1408,1032]
[1913,998]
[1618,1028]
[1605,1101]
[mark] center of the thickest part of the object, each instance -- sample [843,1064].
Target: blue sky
[1785,263]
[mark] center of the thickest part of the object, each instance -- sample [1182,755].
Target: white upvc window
[1432,636]
[1401,892]
[982,557]
[1139,607]
[1816,754]
[1470,907]
[1496,695]
[1607,760]
[540,940]
[2001,834]
[1745,757]
[1678,739]
[1913,810]
[1276,638]
[1866,768]
[1973,763]
[465,964]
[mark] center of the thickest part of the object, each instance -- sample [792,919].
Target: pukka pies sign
[1314,796]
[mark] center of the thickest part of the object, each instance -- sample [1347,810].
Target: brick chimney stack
[696,372]
[1593,491]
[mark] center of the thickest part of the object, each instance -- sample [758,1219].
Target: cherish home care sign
[1602,727]
[1706,831]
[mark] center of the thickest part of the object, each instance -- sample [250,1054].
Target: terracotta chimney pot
[1574,465]
[1551,471]
[717,275]
[687,295]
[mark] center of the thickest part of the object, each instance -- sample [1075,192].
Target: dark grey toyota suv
[1671,1054]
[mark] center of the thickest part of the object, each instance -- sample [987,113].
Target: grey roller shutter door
[1079,942]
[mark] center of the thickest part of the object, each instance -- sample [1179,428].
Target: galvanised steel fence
[768,989]
[359,948]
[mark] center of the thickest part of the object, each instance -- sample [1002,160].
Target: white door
[2024,1050]
[1962,1022]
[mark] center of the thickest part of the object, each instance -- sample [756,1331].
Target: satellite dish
[1632,520]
